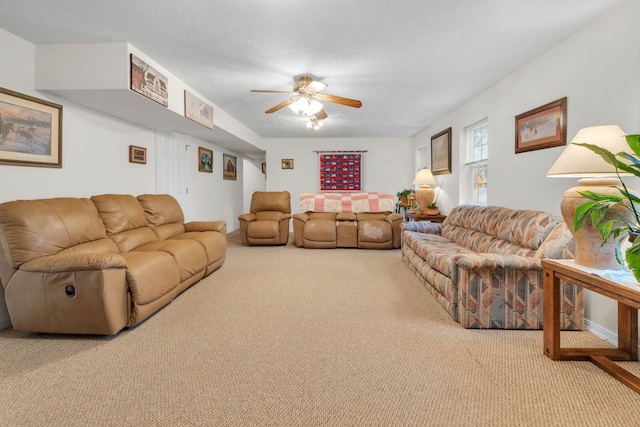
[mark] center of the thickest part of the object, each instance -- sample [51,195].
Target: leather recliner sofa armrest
[248,217]
[220,226]
[394,217]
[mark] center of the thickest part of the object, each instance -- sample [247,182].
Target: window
[477,136]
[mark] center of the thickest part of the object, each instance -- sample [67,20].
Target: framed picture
[441,152]
[542,127]
[149,82]
[137,154]
[205,160]
[264,168]
[229,164]
[30,131]
[198,110]
[287,163]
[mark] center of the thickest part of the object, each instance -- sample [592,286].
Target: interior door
[171,167]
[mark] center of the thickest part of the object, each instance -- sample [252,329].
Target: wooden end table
[415,216]
[628,297]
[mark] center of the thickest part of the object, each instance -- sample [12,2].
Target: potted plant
[403,196]
[624,219]
[432,208]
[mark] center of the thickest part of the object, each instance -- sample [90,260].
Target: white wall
[598,70]
[255,180]
[387,164]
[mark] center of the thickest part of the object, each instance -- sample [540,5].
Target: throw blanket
[347,202]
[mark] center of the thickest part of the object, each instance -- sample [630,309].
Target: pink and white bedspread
[347,202]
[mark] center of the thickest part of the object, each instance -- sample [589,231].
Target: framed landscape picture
[441,152]
[148,81]
[198,110]
[30,131]
[229,164]
[205,160]
[542,127]
[137,154]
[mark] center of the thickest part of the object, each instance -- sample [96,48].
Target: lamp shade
[424,177]
[577,161]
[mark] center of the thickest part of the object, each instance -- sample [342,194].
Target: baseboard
[603,333]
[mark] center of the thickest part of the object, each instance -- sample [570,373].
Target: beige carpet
[282,336]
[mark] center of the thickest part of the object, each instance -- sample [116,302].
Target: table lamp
[598,176]
[424,194]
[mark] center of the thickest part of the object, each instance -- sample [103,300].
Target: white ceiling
[408,61]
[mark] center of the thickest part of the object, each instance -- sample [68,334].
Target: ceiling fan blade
[321,115]
[339,100]
[315,86]
[281,105]
[272,91]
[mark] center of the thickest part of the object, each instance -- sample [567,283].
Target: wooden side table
[415,216]
[628,297]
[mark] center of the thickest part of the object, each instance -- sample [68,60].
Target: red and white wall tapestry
[340,171]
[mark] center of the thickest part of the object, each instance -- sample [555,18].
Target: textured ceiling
[408,61]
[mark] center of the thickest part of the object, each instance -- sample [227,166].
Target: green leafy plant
[403,193]
[624,220]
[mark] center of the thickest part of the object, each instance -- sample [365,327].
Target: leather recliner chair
[268,221]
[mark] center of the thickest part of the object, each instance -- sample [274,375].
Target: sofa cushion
[125,220]
[271,201]
[270,216]
[67,221]
[320,230]
[163,214]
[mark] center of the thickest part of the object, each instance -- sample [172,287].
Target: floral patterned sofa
[483,265]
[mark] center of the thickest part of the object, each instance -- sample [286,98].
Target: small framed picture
[542,127]
[137,154]
[264,168]
[287,163]
[229,167]
[205,160]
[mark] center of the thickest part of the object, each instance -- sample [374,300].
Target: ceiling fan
[306,97]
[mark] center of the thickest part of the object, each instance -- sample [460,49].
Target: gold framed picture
[287,163]
[30,131]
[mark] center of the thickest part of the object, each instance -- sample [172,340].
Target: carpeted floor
[282,336]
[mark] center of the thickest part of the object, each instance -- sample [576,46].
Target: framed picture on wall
[198,110]
[441,152]
[205,160]
[30,131]
[137,154]
[542,127]
[287,163]
[229,164]
[148,81]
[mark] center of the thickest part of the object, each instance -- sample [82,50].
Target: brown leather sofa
[268,220]
[96,266]
[366,230]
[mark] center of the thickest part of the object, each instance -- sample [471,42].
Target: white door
[171,167]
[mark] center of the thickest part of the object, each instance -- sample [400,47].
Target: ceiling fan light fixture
[308,107]
[314,123]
